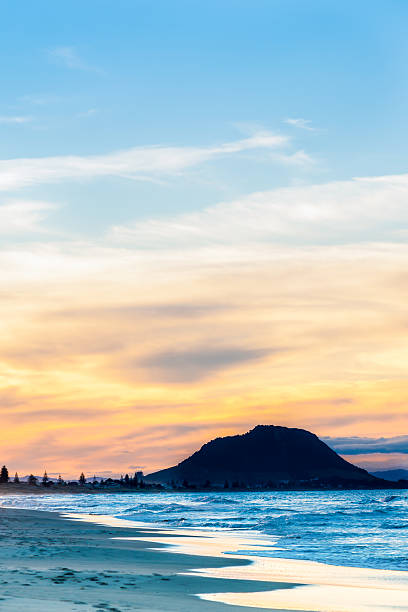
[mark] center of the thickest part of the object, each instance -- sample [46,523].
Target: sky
[203,227]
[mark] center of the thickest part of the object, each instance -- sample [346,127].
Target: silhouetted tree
[126,480]
[32,480]
[226,484]
[4,475]
[185,483]
[135,480]
[16,479]
[82,479]
[45,479]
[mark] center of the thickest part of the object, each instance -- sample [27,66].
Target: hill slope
[266,453]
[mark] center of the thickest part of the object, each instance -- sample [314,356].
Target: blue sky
[97,77]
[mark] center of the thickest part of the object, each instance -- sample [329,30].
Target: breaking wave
[360,528]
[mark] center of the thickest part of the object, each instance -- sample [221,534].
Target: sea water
[350,528]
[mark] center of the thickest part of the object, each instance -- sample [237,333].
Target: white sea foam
[342,551]
[353,528]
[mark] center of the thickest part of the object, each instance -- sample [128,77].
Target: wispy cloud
[197,363]
[354,445]
[139,163]
[122,348]
[22,216]
[70,58]
[298,158]
[303,124]
[17,119]
[337,212]
[88,113]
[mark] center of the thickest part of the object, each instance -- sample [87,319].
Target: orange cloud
[112,357]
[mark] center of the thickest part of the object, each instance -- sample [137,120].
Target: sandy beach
[76,562]
[56,564]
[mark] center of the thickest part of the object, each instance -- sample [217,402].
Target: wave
[391,498]
[359,528]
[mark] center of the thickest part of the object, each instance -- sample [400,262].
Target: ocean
[350,528]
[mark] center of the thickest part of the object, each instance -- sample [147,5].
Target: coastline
[85,562]
[51,562]
[23,488]
[294,584]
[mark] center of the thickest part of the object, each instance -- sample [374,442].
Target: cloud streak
[24,216]
[303,124]
[198,363]
[69,57]
[354,445]
[16,120]
[139,163]
[358,210]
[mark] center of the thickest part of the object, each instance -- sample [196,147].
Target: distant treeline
[128,482]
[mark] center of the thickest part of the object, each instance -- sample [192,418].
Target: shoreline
[24,488]
[75,561]
[296,584]
[53,562]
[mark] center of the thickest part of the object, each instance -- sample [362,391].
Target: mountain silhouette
[265,454]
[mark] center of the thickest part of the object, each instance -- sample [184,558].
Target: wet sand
[49,563]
